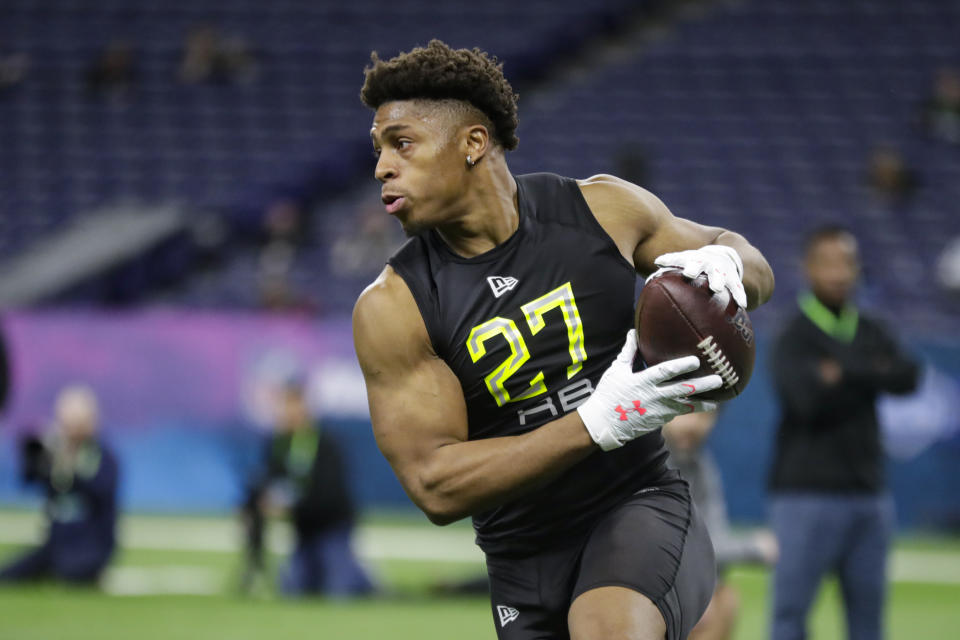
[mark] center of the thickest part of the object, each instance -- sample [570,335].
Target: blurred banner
[184,396]
[207,367]
[184,400]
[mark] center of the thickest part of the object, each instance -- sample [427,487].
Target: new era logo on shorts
[507,614]
[500,284]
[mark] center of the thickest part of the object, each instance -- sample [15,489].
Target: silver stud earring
[470,161]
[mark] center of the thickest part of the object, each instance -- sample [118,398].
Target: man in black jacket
[829,508]
[305,476]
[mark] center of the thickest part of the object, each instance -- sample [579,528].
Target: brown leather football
[679,317]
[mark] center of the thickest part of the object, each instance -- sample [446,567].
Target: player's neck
[490,211]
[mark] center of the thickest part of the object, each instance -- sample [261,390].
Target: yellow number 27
[560,298]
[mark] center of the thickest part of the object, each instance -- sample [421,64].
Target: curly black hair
[438,72]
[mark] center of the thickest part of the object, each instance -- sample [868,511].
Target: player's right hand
[628,404]
[721,264]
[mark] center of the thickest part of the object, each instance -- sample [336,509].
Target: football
[679,317]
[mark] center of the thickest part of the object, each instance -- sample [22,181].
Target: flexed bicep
[416,402]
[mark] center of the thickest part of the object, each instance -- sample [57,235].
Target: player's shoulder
[601,179]
[608,193]
[607,183]
[386,317]
[387,294]
[626,211]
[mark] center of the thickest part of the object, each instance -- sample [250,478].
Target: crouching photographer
[79,475]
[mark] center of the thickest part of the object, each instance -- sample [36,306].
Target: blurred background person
[79,474]
[829,508]
[941,113]
[113,74]
[14,66]
[892,182]
[211,58]
[284,228]
[686,436]
[305,478]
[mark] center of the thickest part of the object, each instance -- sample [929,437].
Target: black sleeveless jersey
[528,328]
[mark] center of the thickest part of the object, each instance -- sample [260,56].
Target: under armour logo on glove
[623,412]
[659,397]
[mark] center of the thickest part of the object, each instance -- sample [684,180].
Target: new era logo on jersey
[507,614]
[500,285]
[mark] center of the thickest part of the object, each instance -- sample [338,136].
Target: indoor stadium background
[180,236]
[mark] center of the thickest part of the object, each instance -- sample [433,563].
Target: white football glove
[723,267]
[626,405]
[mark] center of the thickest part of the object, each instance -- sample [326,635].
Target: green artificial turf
[919,608]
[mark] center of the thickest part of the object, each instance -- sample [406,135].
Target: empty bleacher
[758,116]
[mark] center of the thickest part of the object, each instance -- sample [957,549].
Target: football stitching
[718,361]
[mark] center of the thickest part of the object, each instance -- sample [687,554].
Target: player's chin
[411,224]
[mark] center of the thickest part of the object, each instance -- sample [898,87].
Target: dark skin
[832,267]
[416,403]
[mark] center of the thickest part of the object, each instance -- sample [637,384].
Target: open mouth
[393,202]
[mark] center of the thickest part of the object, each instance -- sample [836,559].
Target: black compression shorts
[654,543]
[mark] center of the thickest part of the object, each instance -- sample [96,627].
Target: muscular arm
[420,420]
[643,229]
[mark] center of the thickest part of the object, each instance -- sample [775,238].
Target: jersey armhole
[597,228]
[425,306]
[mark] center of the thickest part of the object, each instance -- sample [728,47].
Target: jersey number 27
[534,311]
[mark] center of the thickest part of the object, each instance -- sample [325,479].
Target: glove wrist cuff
[598,430]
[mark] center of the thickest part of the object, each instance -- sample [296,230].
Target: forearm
[466,478]
[897,376]
[758,279]
[902,377]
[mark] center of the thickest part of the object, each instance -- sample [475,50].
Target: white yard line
[930,567]
[376,542]
[379,542]
[167,580]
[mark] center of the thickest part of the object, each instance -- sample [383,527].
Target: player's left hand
[722,266]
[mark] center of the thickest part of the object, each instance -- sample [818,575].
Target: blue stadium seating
[762,117]
[65,150]
[758,116]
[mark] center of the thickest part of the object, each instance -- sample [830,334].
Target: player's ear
[476,142]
